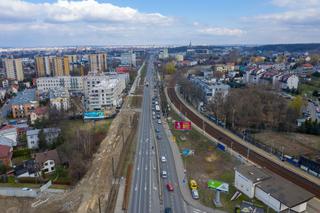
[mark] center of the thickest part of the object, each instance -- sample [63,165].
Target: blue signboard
[95,115]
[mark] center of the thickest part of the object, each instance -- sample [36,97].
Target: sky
[35,23]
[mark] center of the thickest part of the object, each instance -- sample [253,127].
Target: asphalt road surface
[149,193]
[144,191]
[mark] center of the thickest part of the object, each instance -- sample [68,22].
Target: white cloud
[76,11]
[296,3]
[221,31]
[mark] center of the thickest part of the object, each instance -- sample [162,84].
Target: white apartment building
[106,94]
[128,59]
[72,83]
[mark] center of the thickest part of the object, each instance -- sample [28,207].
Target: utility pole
[113,174]
[99,205]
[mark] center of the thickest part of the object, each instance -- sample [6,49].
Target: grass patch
[215,164]
[306,88]
[70,127]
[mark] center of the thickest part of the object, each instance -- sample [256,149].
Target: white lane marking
[136,188]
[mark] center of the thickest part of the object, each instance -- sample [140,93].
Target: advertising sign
[218,185]
[95,115]
[182,125]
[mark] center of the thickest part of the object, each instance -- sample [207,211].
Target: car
[195,194]
[153,117]
[168,210]
[164,174]
[159,121]
[153,113]
[26,189]
[158,116]
[170,187]
[163,159]
[193,184]
[157,130]
[158,137]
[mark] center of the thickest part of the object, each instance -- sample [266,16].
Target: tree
[297,103]
[170,68]
[42,140]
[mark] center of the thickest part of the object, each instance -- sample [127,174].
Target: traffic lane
[139,177]
[174,201]
[178,201]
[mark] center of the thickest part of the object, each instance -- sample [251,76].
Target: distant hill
[289,47]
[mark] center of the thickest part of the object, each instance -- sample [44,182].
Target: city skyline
[38,23]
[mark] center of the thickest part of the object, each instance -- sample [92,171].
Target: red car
[170,187]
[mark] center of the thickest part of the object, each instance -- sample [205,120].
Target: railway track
[241,149]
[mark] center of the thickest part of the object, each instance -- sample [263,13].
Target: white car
[26,189]
[163,159]
[159,121]
[164,174]
[195,194]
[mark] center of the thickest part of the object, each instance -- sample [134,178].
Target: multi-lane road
[149,191]
[144,189]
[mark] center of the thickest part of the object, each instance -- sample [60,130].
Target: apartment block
[14,69]
[98,62]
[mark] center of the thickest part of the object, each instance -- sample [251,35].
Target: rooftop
[26,96]
[42,157]
[285,191]
[253,173]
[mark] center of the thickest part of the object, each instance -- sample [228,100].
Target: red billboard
[182,125]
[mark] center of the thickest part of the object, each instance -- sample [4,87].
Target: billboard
[94,115]
[218,185]
[182,125]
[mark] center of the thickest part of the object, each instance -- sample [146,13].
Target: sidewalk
[181,175]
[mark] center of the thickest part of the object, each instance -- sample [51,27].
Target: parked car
[159,121]
[195,194]
[163,159]
[193,184]
[170,187]
[157,130]
[158,137]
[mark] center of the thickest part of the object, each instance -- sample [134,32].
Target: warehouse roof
[253,173]
[285,191]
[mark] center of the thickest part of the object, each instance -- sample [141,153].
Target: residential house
[2,94]
[33,140]
[6,141]
[224,67]
[47,161]
[6,155]
[24,103]
[59,99]
[276,192]
[289,81]
[10,132]
[38,114]
[26,169]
